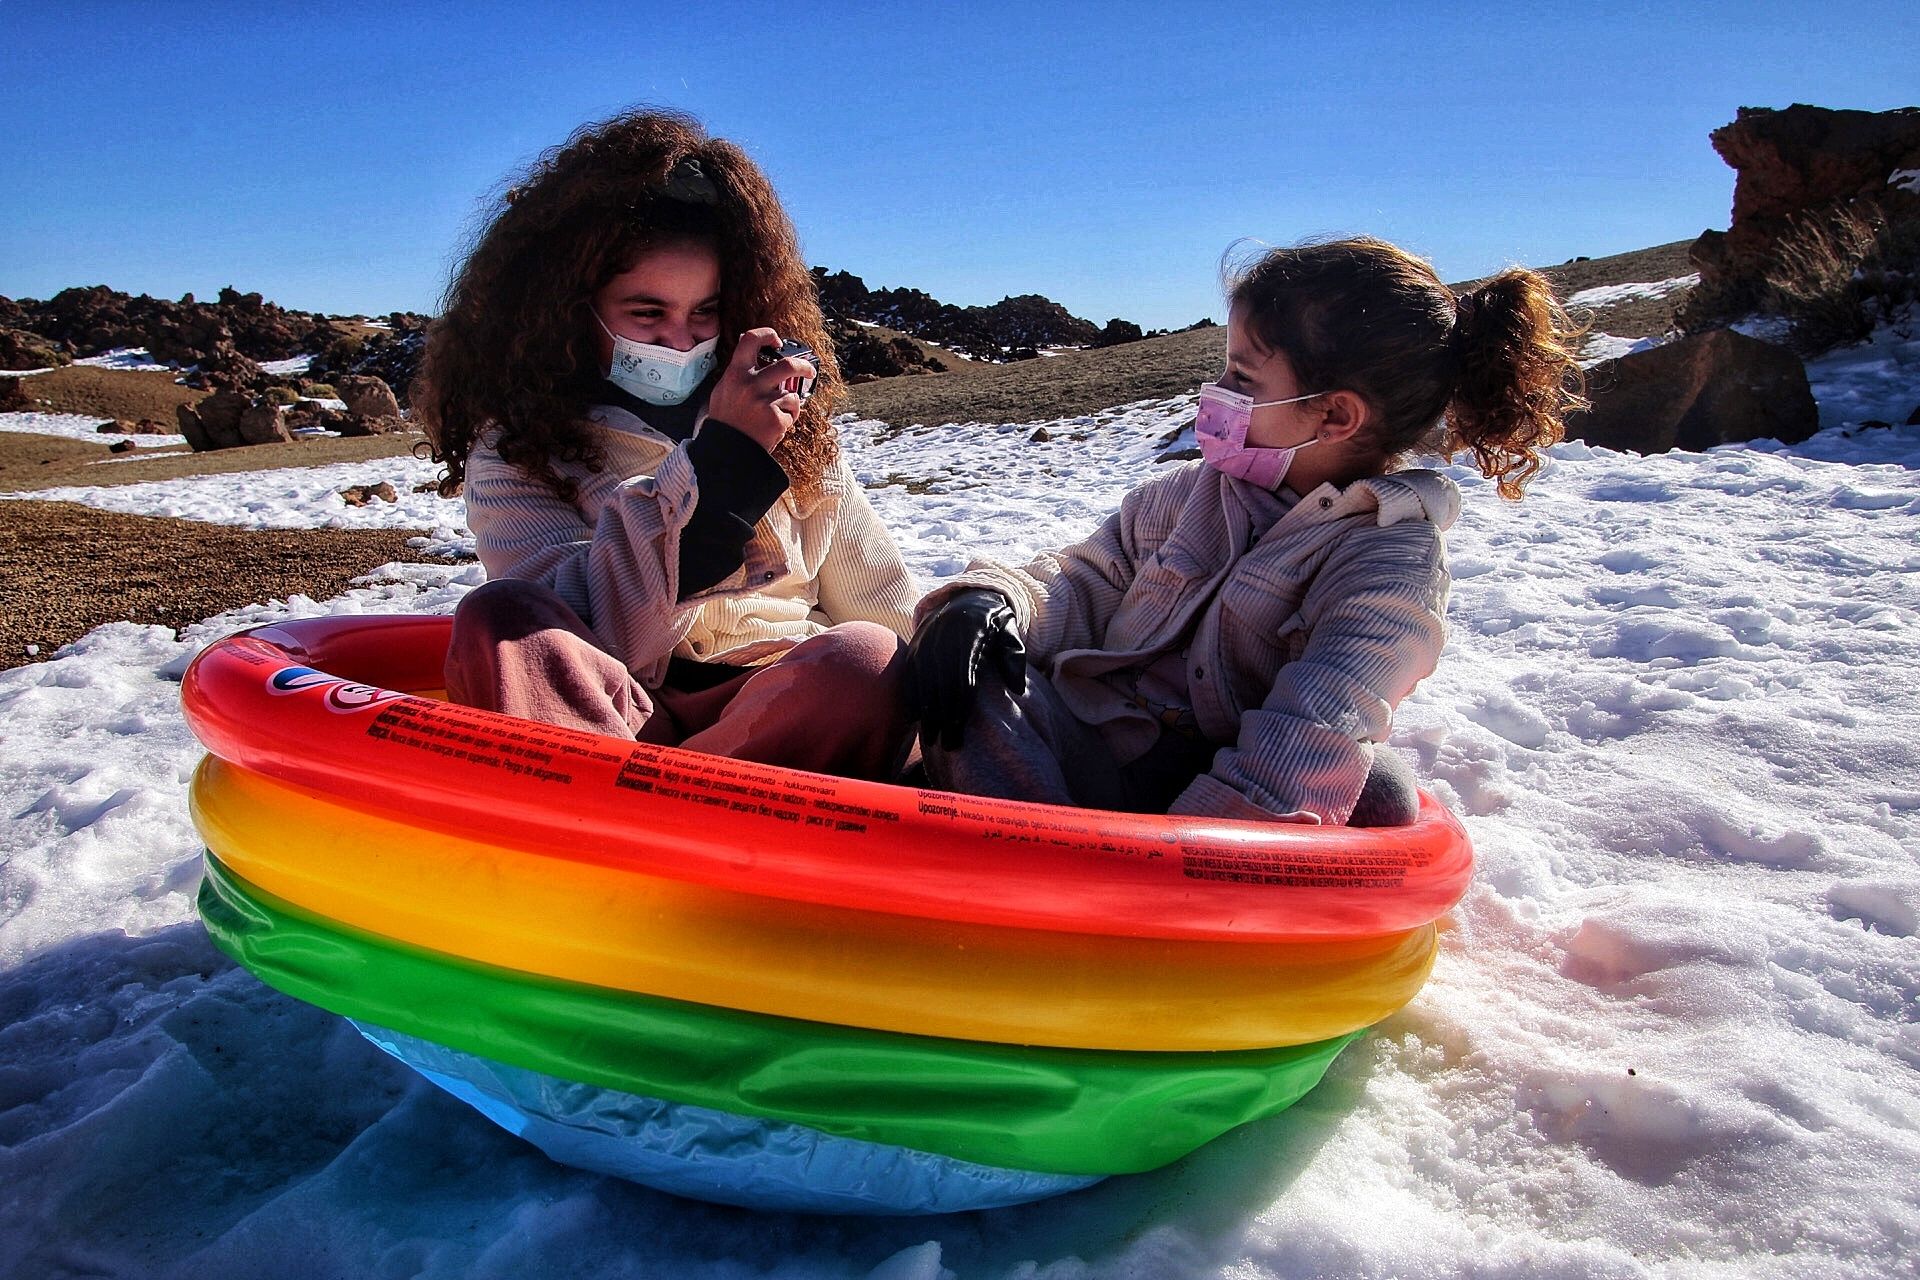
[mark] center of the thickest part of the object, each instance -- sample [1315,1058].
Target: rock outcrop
[367,396]
[228,419]
[90,319]
[1713,388]
[20,349]
[864,355]
[1796,163]
[393,355]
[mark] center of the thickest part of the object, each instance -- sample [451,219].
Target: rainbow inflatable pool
[769,987]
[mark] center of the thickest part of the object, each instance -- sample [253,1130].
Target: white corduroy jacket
[1298,643]
[613,554]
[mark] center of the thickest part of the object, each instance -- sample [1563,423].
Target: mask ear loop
[1311,395]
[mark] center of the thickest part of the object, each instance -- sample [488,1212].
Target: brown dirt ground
[45,462]
[66,569]
[1051,387]
[126,394]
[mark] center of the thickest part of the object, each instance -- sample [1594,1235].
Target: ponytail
[1517,377]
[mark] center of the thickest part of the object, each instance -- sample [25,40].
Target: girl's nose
[679,335]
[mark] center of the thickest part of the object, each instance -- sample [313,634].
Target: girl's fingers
[746,352]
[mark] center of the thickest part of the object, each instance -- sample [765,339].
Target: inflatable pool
[769,987]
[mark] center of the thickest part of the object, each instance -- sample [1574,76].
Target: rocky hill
[1174,364]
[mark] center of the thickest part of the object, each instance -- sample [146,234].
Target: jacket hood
[1414,494]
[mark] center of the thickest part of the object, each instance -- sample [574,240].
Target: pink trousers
[835,703]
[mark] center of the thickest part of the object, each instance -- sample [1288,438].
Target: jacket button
[1199,673]
[1325,503]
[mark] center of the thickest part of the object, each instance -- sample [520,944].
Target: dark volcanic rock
[1796,163]
[308,416]
[20,349]
[214,423]
[367,396]
[864,355]
[260,423]
[225,369]
[1712,388]
[90,319]
[393,356]
[360,495]
[353,424]
[987,333]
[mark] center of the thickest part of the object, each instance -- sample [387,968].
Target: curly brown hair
[1367,316]
[515,350]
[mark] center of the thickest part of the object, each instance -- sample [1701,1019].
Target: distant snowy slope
[1671,1032]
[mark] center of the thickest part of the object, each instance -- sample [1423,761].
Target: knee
[1390,798]
[509,609]
[864,651]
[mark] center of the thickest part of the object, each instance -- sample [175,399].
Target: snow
[1596,347]
[291,498]
[79,426]
[124,358]
[1672,1030]
[1612,295]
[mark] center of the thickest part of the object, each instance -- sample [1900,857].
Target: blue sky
[333,156]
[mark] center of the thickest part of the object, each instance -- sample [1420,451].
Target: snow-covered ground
[124,358]
[79,426]
[1612,295]
[1674,1029]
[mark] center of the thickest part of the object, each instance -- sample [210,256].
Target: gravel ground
[66,569]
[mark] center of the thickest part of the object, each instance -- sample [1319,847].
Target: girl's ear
[1344,414]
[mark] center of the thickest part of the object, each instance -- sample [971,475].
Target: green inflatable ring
[1076,1111]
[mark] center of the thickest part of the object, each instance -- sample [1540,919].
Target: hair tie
[688,183]
[1464,306]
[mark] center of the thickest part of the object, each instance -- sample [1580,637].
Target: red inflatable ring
[332,706]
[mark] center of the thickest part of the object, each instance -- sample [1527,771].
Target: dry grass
[1051,387]
[1839,274]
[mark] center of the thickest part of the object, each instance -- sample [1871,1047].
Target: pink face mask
[1221,430]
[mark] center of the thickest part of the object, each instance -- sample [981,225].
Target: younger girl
[1234,640]
[677,551]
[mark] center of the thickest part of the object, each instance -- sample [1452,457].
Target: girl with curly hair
[1233,641]
[676,550]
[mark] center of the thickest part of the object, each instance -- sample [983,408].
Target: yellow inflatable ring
[588,923]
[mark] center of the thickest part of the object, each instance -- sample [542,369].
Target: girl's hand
[756,402]
[947,654]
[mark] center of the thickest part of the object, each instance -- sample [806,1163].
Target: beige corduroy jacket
[1299,642]
[613,554]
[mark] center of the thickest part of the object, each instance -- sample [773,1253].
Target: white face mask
[657,374]
[1221,429]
